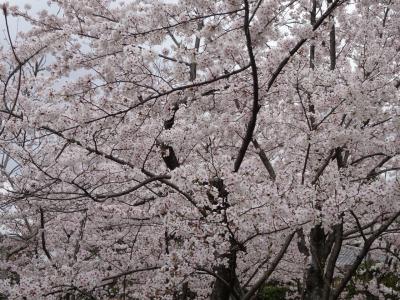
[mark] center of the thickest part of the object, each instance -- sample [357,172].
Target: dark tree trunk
[225,286]
[221,291]
[314,277]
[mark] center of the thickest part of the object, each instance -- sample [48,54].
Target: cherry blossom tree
[200,149]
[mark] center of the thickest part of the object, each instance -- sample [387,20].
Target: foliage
[273,291]
[375,281]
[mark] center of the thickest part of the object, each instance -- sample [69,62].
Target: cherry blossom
[200,149]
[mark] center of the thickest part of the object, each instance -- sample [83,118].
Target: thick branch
[43,235]
[330,267]
[265,160]
[256,106]
[102,198]
[305,163]
[322,168]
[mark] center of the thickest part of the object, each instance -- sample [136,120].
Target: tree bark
[314,277]
[226,282]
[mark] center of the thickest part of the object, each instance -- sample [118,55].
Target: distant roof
[347,255]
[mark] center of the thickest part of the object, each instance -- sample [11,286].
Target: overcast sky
[18,24]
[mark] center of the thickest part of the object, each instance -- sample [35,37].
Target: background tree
[200,149]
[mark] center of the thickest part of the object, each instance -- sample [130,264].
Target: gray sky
[15,24]
[19,25]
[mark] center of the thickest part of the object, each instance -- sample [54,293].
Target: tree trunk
[226,283]
[221,291]
[314,277]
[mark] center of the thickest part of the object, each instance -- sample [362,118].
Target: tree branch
[256,106]
[360,257]
[322,168]
[43,235]
[273,266]
[265,160]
